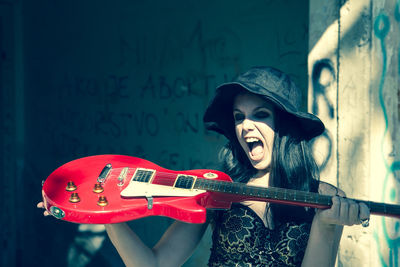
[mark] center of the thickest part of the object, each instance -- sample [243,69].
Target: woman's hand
[40,205]
[327,226]
[343,211]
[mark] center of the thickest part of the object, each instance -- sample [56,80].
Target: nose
[248,125]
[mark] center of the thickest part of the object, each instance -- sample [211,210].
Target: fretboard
[238,192]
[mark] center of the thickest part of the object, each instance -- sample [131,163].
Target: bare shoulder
[330,190]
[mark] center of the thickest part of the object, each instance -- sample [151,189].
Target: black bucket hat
[273,85]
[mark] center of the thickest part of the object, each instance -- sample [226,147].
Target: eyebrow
[269,108]
[264,107]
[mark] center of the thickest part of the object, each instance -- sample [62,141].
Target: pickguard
[141,189]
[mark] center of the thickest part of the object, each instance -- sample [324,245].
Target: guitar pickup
[104,173]
[122,176]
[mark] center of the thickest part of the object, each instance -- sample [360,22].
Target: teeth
[251,140]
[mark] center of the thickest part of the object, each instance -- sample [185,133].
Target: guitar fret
[223,187]
[259,193]
[248,191]
[229,188]
[263,192]
[237,189]
[213,187]
[233,188]
[253,191]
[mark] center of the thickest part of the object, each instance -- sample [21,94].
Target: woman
[267,146]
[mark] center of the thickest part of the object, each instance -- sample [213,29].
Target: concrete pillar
[353,87]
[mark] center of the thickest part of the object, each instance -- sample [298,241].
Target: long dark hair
[292,165]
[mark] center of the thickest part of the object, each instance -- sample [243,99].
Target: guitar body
[68,193]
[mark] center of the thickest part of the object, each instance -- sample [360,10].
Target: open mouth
[256,148]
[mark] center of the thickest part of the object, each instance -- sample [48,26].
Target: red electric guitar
[114,188]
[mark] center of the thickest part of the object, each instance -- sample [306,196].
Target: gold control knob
[71,186]
[74,198]
[98,188]
[102,201]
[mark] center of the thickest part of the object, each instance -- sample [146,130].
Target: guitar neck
[238,192]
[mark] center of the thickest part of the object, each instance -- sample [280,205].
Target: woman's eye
[238,116]
[262,115]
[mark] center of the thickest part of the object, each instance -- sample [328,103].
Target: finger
[330,215]
[364,212]
[335,209]
[40,205]
[46,213]
[353,212]
[340,193]
[344,210]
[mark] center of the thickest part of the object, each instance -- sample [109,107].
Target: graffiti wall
[354,77]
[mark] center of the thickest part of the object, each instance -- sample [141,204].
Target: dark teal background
[134,78]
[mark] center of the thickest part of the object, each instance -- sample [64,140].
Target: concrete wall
[354,86]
